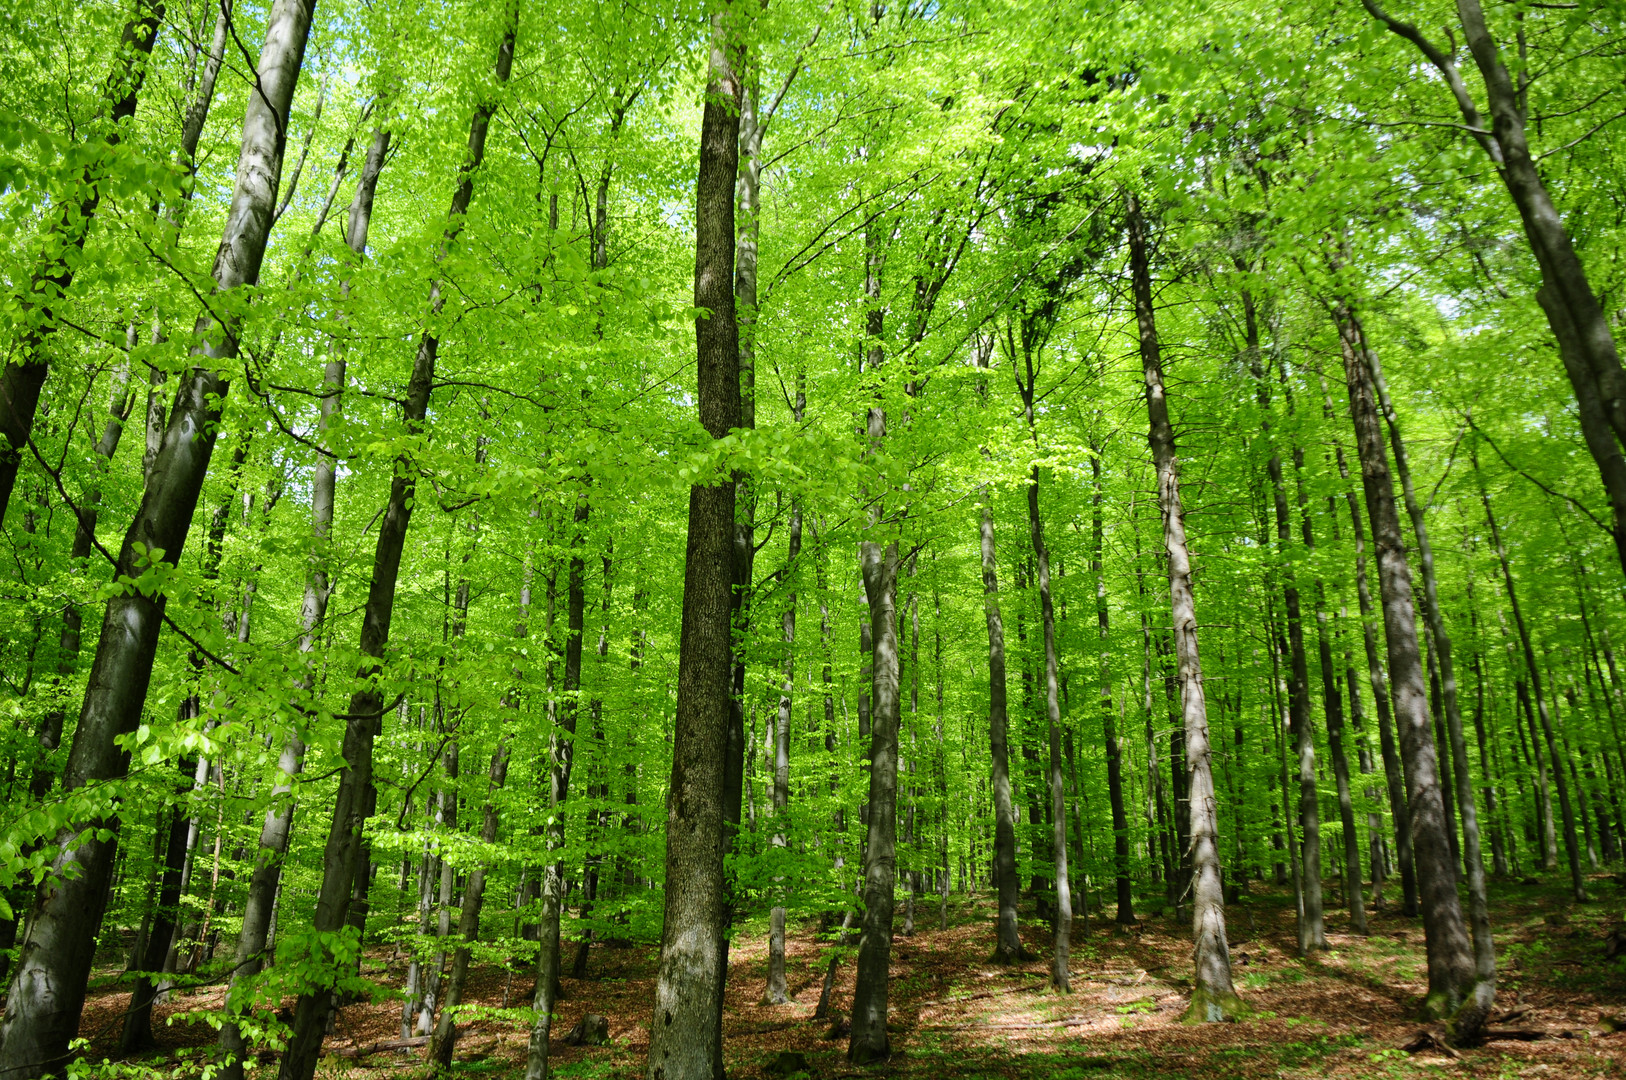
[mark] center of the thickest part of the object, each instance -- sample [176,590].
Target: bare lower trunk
[685,1031]
[1213,998]
[1450,958]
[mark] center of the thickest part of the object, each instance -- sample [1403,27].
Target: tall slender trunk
[1213,998]
[1451,978]
[1392,769]
[48,988]
[260,903]
[342,852]
[1109,728]
[561,752]
[685,1032]
[1440,656]
[1572,848]
[777,992]
[1312,924]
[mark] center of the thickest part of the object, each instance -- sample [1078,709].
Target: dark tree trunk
[1450,956]
[685,1032]
[342,855]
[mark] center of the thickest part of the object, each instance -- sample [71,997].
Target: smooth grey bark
[1109,727]
[275,830]
[686,1028]
[1451,977]
[777,992]
[1035,327]
[879,564]
[343,851]
[1213,997]
[1440,654]
[878,567]
[26,370]
[1060,976]
[1008,941]
[1378,678]
[48,989]
[1572,849]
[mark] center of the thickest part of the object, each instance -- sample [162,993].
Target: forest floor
[1346,1013]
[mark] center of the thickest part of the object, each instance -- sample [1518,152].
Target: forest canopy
[485,483]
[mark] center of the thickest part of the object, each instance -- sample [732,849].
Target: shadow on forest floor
[1343,1013]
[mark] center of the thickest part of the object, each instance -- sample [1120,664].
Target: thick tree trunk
[1213,998]
[1451,978]
[52,277]
[1440,654]
[879,562]
[48,988]
[342,854]
[685,1031]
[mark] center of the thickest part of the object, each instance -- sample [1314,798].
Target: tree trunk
[685,1033]
[343,850]
[1008,942]
[260,902]
[48,989]
[1213,998]
[52,277]
[1392,770]
[1109,727]
[1451,978]
[1571,847]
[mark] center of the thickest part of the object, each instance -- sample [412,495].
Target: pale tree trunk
[1060,977]
[685,1030]
[64,237]
[777,992]
[48,989]
[1213,998]
[1062,923]
[1451,978]
[1572,849]
[342,853]
[276,828]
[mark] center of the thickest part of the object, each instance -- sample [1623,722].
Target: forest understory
[1350,1012]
